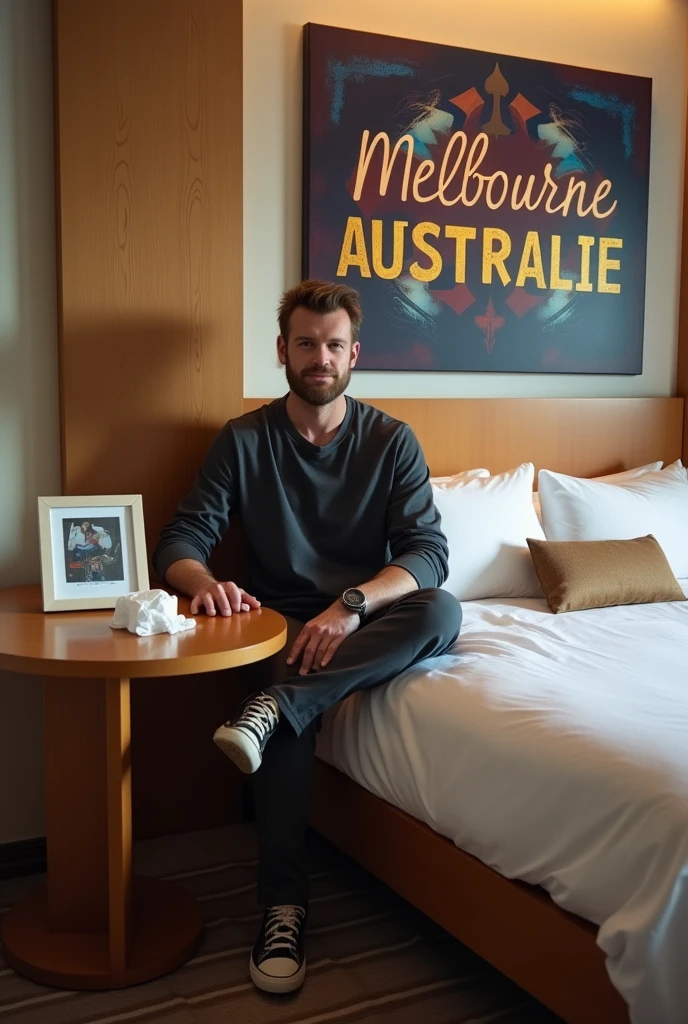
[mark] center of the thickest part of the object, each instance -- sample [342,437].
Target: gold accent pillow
[577,574]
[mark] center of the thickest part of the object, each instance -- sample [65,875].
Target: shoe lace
[282,927]
[261,714]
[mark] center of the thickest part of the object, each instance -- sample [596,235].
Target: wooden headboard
[580,436]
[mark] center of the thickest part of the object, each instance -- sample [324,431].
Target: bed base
[516,927]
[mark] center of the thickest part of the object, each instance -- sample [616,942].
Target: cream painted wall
[643,37]
[29,429]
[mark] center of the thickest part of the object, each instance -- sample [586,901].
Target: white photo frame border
[52,602]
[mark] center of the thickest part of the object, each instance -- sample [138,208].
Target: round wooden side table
[94,925]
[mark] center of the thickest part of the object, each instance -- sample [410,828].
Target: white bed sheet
[555,749]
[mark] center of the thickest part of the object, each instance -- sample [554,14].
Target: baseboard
[26,857]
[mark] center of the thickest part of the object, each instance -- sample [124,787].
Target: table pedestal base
[166,929]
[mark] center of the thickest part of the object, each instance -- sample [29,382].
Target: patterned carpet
[372,957]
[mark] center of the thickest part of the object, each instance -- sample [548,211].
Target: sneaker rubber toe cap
[278,974]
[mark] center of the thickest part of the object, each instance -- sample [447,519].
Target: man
[343,539]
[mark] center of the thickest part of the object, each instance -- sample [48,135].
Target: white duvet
[555,749]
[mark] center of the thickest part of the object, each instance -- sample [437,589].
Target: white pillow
[628,474]
[679,466]
[657,503]
[486,521]
[458,476]
[611,478]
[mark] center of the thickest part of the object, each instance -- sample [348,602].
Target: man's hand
[225,598]
[321,636]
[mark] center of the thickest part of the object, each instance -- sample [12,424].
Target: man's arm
[321,636]
[200,522]
[416,541]
[195,579]
[202,517]
[387,587]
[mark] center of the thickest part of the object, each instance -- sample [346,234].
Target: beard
[317,392]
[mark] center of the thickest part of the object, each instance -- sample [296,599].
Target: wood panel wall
[149,199]
[581,436]
[682,363]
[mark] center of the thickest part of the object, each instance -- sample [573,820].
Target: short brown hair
[320,297]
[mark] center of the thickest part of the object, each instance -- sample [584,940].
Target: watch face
[354,598]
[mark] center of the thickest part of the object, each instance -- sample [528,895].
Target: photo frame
[93,550]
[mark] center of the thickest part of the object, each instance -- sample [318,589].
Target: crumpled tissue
[149,611]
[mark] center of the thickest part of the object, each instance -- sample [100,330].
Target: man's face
[319,355]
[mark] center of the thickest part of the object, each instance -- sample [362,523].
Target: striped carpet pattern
[371,956]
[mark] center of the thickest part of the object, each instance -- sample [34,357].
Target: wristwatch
[355,601]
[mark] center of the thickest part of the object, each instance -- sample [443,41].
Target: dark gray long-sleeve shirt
[318,519]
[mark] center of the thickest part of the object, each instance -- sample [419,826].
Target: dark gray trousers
[422,624]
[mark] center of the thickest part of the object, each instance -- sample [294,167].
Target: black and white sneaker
[278,963]
[243,738]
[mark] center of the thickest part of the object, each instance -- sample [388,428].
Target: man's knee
[441,611]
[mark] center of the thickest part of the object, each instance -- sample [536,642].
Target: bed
[552,760]
[527,915]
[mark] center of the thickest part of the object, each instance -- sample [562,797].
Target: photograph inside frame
[92,549]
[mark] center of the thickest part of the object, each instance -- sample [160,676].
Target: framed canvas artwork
[491,210]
